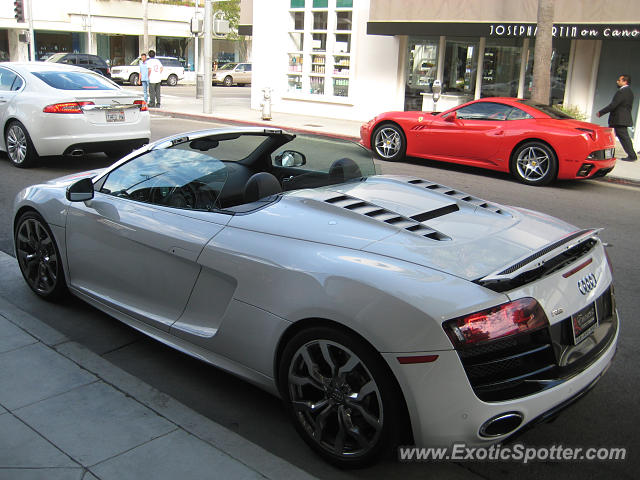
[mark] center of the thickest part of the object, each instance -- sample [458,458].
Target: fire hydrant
[266,103]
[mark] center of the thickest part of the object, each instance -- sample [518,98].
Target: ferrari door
[471,134]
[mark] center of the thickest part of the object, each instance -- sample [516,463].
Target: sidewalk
[68,414]
[192,108]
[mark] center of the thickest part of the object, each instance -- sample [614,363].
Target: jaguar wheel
[39,257]
[342,397]
[20,149]
[534,163]
[389,142]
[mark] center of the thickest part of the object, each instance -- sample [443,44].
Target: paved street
[597,420]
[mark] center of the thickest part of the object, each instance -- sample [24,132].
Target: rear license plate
[115,115]
[583,323]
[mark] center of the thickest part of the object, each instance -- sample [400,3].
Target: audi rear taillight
[511,318]
[143,105]
[69,107]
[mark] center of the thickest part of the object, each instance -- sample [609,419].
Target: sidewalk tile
[43,474]
[21,447]
[175,456]
[94,422]
[12,337]
[35,372]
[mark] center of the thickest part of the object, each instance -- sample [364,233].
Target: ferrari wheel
[341,396]
[534,163]
[39,257]
[20,149]
[389,142]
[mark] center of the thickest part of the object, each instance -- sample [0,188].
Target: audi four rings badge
[587,284]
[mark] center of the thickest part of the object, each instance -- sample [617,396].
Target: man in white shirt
[155,77]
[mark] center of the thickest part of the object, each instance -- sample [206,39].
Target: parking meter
[436,89]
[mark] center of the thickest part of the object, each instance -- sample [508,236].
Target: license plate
[583,323]
[115,115]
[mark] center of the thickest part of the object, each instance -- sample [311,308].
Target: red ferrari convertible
[535,143]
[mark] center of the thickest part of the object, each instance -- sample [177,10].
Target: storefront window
[421,70]
[559,65]
[501,68]
[460,67]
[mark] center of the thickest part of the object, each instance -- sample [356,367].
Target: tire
[20,149]
[345,430]
[228,81]
[38,257]
[172,80]
[133,78]
[534,163]
[388,142]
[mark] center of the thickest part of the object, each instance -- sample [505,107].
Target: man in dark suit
[619,111]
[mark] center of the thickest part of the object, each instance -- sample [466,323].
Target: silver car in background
[383,310]
[55,109]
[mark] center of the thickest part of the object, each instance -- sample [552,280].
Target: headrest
[261,185]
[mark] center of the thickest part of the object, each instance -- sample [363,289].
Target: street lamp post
[208,54]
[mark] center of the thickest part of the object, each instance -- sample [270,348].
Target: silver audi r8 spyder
[383,310]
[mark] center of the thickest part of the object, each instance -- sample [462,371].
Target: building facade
[112,29]
[355,58]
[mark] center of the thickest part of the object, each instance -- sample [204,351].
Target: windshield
[228,66]
[208,171]
[55,57]
[85,80]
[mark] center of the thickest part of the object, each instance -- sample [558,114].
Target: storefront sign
[506,30]
[566,31]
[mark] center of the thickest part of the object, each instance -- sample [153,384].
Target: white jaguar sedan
[54,109]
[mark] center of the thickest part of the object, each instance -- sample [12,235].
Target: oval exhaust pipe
[78,152]
[501,425]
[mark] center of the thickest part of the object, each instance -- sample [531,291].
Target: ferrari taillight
[143,105]
[69,107]
[511,318]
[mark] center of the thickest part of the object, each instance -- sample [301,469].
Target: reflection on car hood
[412,220]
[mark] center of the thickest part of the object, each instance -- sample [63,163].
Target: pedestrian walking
[155,77]
[143,79]
[619,111]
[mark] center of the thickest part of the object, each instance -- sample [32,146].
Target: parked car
[535,143]
[55,109]
[85,60]
[233,73]
[383,310]
[172,71]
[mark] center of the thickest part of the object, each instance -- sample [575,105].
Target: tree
[543,51]
[231,11]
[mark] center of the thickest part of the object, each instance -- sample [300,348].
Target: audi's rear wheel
[342,397]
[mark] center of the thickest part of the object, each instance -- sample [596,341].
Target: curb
[233,121]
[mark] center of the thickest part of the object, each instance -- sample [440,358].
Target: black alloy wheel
[38,256]
[341,395]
